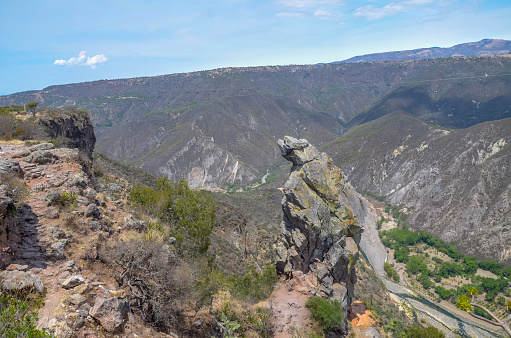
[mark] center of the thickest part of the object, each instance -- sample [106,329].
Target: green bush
[255,286]
[391,273]
[417,331]
[17,319]
[327,313]
[187,215]
[68,199]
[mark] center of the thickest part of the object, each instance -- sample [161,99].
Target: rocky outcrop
[111,313]
[17,281]
[75,130]
[320,233]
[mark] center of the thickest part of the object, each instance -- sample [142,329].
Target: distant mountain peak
[478,48]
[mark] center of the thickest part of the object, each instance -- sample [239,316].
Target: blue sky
[49,42]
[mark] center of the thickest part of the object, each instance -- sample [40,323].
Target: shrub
[17,319]
[68,199]
[327,313]
[16,188]
[391,273]
[255,286]
[7,124]
[416,331]
[189,215]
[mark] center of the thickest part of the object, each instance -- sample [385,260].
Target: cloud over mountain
[83,60]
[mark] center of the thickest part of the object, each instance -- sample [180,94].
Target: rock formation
[320,233]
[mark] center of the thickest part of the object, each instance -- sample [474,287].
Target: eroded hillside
[218,128]
[453,183]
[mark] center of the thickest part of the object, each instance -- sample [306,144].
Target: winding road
[376,253]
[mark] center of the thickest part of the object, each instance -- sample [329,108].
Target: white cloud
[322,12]
[290,15]
[371,12]
[83,60]
[309,3]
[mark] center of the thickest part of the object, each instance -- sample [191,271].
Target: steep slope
[207,126]
[479,48]
[455,184]
[460,100]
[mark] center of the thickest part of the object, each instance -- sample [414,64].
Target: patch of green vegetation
[18,318]
[326,312]
[184,214]
[391,272]
[422,268]
[417,331]
[251,287]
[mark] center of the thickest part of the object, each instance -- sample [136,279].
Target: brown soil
[289,313]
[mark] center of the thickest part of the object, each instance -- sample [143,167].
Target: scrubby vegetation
[182,215]
[18,317]
[327,313]
[173,234]
[442,273]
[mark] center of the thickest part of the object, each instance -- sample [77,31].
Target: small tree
[31,106]
[465,303]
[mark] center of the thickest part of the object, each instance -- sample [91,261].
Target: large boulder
[14,281]
[111,313]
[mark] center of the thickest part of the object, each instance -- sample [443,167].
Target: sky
[51,42]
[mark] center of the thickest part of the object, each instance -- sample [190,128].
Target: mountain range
[479,48]
[429,134]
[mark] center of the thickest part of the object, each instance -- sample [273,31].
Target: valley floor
[446,317]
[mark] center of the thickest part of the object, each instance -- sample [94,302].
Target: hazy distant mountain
[479,48]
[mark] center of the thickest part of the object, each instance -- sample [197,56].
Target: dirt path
[289,313]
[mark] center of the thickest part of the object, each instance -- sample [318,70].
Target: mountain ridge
[203,126]
[478,48]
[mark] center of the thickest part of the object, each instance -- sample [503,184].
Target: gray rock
[56,233]
[41,146]
[371,333]
[111,313]
[9,166]
[20,153]
[52,212]
[57,249]
[5,200]
[41,157]
[298,151]
[92,211]
[134,223]
[72,281]
[320,234]
[76,299]
[20,280]
[78,181]
[69,263]
[52,198]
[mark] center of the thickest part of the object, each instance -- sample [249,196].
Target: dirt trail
[289,313]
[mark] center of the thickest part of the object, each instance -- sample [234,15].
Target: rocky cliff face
[321,233]
[75,130]
[453,183]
